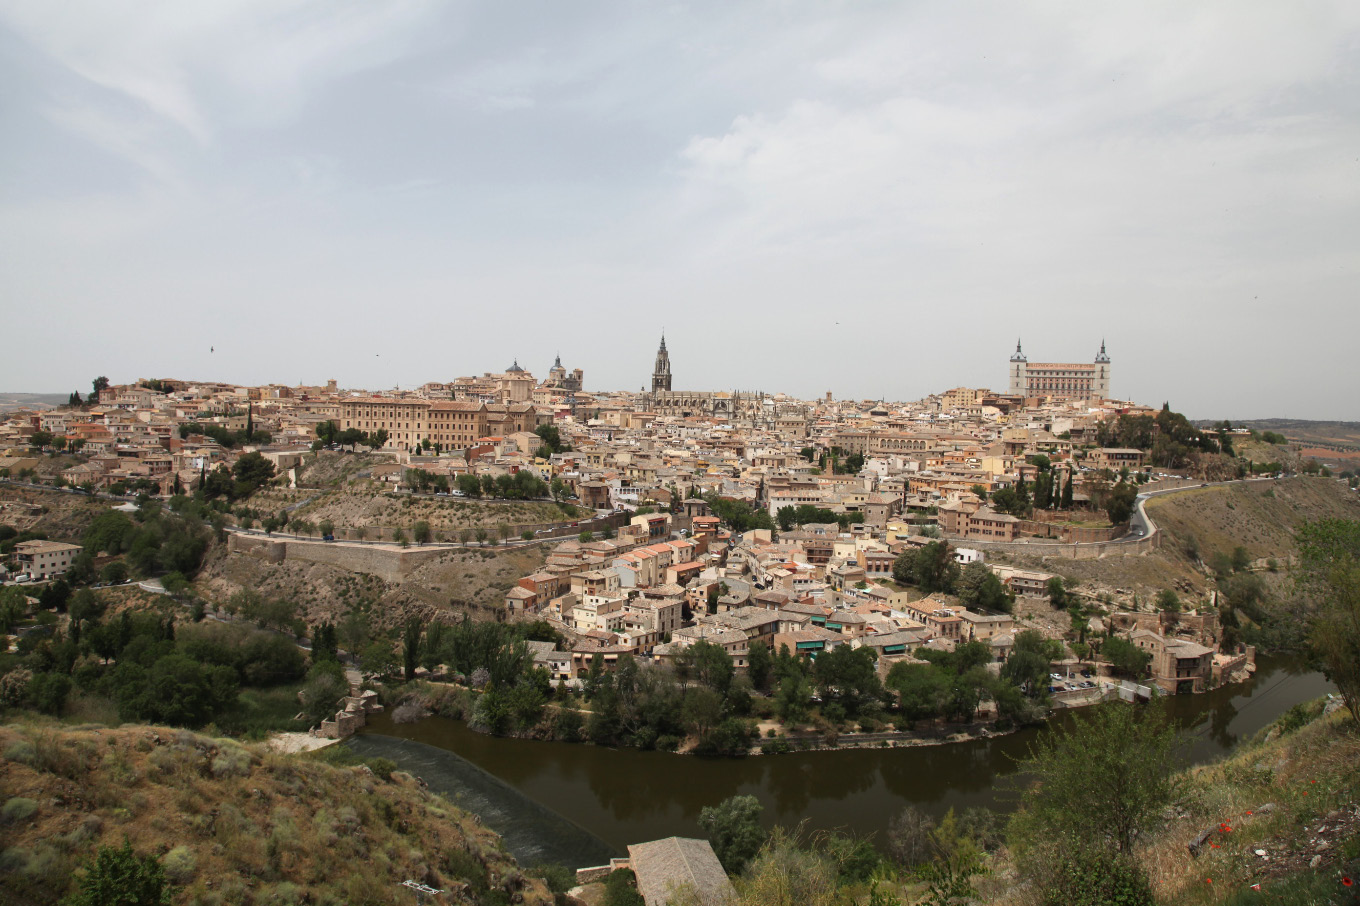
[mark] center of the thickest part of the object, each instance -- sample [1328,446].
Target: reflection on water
[626,796]
[533,833]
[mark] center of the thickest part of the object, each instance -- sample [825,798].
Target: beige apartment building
[453,424]
[44,559]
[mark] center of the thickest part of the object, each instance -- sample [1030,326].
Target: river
[578,804]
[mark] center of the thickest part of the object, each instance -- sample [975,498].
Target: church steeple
[661,373]
[1101,357]
[1020,356]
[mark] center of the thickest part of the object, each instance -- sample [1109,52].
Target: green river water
[579,804]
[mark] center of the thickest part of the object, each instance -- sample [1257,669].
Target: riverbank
[625,795]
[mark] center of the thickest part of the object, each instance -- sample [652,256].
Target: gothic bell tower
[1019,378]
[1100,387]
[661,373]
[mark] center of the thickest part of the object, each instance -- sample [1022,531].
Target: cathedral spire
[661,373]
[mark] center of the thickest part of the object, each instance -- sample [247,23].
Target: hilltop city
[728,517]
[721,573]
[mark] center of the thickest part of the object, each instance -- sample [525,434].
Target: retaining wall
[1092,551]
[387,563]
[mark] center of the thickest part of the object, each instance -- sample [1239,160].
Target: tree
[980,589]
[921,689]
[793,698]
[1330,550]
[758,665]
[321,692]
[251,472]
[1100,781]
[120,877]
[1125,656]
[707,664]
[1119,503]
[410,648]
[98,384]
[420,532]
[1057,594]
[1168,602]
[934,568]
[733,828]
[1010,500]
[1029,662]
[848,676]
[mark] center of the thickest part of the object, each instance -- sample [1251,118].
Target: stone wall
[391,564]
[1071,534]
[1070,551]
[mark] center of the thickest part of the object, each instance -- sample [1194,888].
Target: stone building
[737,406]
[1060,380]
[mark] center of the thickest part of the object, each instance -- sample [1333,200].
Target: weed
[180,864]
[18,809]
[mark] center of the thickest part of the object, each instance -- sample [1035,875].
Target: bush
[180,864]
[119,877]
[559,878]
[18,809]
[620,889]
[1090,878]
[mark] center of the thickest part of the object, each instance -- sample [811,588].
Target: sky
[872,199]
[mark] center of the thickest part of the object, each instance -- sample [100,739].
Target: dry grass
[1272,795]
[235,824]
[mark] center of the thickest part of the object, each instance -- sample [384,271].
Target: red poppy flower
[1347,882]
[1248,811]
[1208,880]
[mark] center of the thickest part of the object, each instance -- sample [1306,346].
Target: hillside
[460,580]
[1259,516]
[1203,522]
[235,824]
[62,516]
[382,513]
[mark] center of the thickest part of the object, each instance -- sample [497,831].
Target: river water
[579,804]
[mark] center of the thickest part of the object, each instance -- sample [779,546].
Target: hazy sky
[872,199]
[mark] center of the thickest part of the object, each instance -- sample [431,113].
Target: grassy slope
[1219,518]
[460,579]
[257,827]
[1260,516]
[1293,792]
[66,516]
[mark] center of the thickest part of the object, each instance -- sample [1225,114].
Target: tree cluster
[930,568]
[249,473]
[952,684]
[224,436]
[150,668]
[739,515]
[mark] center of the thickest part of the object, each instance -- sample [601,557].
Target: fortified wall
[391,564]
[1094,551]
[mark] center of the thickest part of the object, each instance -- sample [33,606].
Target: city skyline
[873,201]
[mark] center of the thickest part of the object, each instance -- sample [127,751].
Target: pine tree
[1067,493]
[250,421]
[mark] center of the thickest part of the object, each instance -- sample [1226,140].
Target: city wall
[1093,551]
[387,563]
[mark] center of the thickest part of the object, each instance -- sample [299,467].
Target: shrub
[231,761]
[180,864]
[1091,878]
[620,889]
[18,809]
